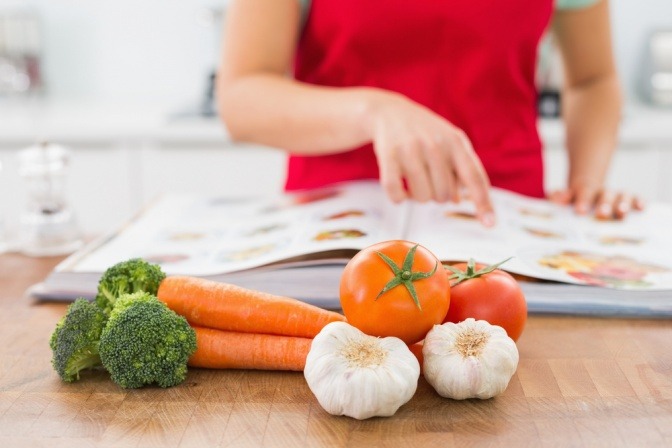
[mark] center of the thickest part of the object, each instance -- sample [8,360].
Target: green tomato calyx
[405,275]
[471,272]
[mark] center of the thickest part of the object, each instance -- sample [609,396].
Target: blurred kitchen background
[104,50]
[126,87]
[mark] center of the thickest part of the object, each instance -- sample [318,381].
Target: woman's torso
[471,61]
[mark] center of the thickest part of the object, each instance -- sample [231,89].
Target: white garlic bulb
[358,375]
[472,359]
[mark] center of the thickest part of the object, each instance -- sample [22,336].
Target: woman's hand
[433,157]
[606,204]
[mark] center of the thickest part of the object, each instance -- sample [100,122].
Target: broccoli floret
[125,277]
[145,342]
[75,340]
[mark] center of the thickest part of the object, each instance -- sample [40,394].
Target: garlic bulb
[358,375]
[472,359]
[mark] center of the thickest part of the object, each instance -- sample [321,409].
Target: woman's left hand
[606,204]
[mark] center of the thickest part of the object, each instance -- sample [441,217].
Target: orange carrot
[217,349]
[228,307]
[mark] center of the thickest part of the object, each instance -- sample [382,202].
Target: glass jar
[47,225]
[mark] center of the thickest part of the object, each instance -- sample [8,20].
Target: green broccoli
[127,276]
[145,342]
[75,340]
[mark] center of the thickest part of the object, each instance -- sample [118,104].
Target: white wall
[158,50]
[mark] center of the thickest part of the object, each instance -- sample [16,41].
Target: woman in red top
[427,96]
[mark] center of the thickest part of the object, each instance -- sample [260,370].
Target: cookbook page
[551,242]
[209,235]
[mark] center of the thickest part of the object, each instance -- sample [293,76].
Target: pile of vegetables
[404,314]
[145,328]
[126,330]
[405,310]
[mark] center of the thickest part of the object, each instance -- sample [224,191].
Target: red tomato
[395,312]
[494,297]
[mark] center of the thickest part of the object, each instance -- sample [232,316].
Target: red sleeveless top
[471,61]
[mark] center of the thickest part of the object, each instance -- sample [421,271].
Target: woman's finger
[441,172]
[584,199]
[416,173]
[622,205]
[563,197]
[390,175]
[472,174]
[605,206]
[454,186]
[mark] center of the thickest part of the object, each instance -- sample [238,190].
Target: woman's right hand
[433,156]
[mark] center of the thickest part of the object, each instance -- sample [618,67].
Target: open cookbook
[297,245]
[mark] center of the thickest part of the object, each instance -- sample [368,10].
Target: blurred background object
[48,225]
[632,24]
[549,78]
[20,53]
[657,78]
[210,19]
[114,51]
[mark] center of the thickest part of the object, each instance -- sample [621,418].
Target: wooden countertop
[580,382]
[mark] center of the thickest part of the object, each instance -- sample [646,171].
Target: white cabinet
[640,170]
[665,170]
[230,170]
[101,187]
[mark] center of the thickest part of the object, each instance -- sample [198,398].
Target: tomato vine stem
[471,272]
[405,275]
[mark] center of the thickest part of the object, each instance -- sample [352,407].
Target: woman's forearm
[592,113]
[280,112]
[591,97]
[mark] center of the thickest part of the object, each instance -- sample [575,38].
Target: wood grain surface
[580,382]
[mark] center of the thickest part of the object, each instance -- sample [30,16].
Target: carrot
[217,349]
[229,307]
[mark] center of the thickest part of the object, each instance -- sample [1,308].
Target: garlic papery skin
[471,359]
[358,375]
